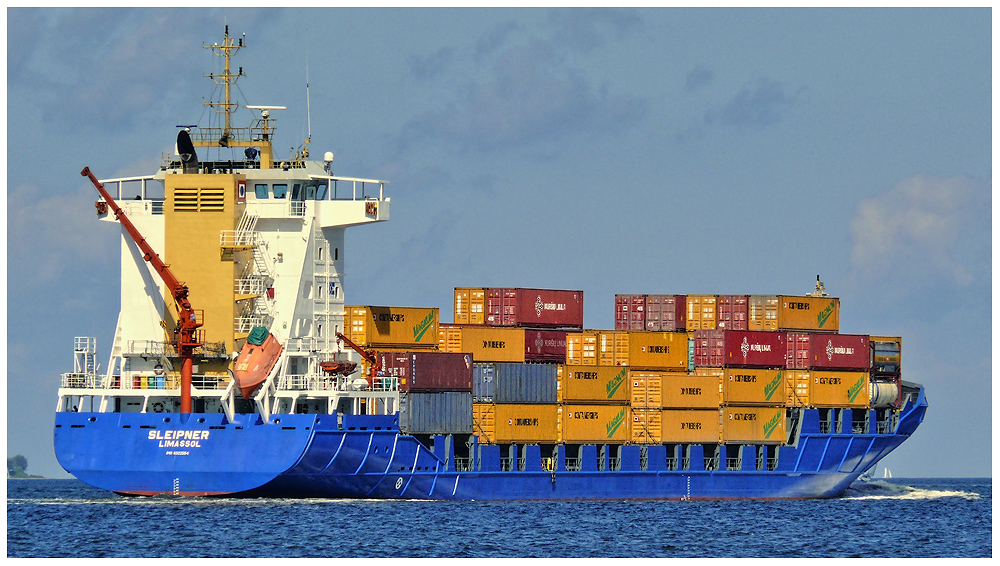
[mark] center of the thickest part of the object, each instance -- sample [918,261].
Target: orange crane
[186,334]
[369,355]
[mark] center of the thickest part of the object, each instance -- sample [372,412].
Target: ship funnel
[185,149]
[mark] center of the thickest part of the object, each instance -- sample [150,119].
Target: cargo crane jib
[374,367]
[186,337]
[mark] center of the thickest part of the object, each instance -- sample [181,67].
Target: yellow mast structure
[259,133]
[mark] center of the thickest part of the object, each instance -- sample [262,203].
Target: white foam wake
[879,489]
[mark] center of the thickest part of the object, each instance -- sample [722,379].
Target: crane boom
[374,366]
[186,334]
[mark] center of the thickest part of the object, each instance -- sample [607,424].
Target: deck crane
[374,366]
[187,337]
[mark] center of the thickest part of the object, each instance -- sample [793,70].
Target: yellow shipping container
[797,387]
[403,327]
[808,313]
[484,422]
[593,384]
[753,424]
[485,343]
[581,348]
[701,312]
[502,423]
[763,312]
[689,426]
[658,350]
[645,388]
[838,388]
[613,348]
[470,305]
[599,424]
[746,386]
[686,391]
[646,426]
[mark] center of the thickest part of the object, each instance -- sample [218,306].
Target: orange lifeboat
[255,361]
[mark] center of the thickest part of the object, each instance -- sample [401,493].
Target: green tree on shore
[17,467]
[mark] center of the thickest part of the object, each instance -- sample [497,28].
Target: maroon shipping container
[709,348]
[752,348]
[545,346]
[429,371]
[630,312]
[665,313]
[827,351]
[732,312]
[530,308]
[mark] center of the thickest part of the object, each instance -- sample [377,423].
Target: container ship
[240,369]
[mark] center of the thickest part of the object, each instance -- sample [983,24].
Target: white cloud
[925,226]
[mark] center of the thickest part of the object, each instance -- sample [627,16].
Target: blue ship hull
[366,457]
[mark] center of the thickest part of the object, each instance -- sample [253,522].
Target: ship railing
[300,345]
[80,380]
[734,463]
[506,464]
[712,463]
[137,382]
[671,462]
[573,464]
[159,349]
[233,238]
[615,464]
[463,464]
[772,463]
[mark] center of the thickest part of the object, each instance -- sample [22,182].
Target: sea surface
[880,518]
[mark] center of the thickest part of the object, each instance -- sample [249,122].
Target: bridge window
[280,190]
[261,190]
[321,191]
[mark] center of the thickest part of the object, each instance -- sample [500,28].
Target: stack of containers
[753,387]
[517,343]
[828,370]
[435,391]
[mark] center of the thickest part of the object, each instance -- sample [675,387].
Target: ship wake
[879,489]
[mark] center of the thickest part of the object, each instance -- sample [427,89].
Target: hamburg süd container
[680,390]
[749,348]
[808,313]
[428,371]
[394,327]
[544,346]
[593,384]
[839,388]
[630,312]
[812,350]
[666,313]
[732,312]
[762,312]
[435,413]
[754,386]
[753,425]
[510,423]
[515,383]
[701,314]
[646,425]
[598,424]
[690,426]
[470,305]
[534,308]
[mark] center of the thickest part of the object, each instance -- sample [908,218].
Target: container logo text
[423,326]
[543,306]
[856,388]
[613,426]
[614,384]
[770,388]
[824,315]
[832,350]
[772,424]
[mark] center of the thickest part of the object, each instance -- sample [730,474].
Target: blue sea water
[880,518]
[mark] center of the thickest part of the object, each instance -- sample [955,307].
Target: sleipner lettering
[179,438]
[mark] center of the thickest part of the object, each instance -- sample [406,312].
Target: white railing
[137,382]
[334,182]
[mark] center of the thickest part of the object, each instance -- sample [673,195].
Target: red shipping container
[732,312]
[839,351]
[429,371]
[665,313]
[752,348]
[827,351]
[545,346]
[630,312]
[531,308]
[709,347]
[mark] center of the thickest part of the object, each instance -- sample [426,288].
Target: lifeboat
[255,361]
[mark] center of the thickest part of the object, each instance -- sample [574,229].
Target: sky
[673,151]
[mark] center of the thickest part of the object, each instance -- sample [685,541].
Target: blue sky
[614,151]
